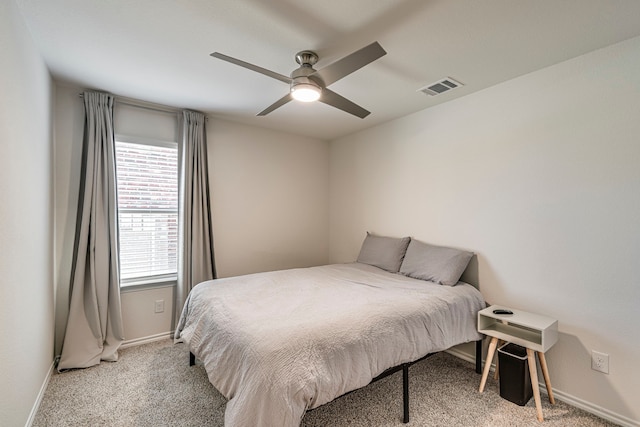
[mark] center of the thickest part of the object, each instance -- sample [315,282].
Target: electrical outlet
[160,306]
[599,361]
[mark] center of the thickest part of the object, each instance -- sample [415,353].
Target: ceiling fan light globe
[305,92]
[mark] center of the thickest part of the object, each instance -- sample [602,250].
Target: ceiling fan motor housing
[303,79]
[306,57]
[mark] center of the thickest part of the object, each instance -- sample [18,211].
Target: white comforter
[278,343]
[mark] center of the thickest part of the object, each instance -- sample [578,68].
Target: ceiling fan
[307,84]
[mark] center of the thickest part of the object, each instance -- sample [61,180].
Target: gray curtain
[195,260]
[94,326]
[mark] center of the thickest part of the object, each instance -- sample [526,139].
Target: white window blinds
[147,175]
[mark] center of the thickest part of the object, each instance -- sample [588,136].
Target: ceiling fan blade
[350,63]
[279,103]
[329,97]
[252,67]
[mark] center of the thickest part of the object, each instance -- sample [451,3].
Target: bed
[280,343]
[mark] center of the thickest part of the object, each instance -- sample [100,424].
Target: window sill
[151,283]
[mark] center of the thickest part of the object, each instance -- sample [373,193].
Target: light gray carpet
[153,385]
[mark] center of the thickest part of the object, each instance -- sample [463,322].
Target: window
[147,180]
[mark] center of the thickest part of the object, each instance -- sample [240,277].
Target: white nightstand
[534,332]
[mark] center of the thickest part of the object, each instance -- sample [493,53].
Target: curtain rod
[145,105]
[149,105]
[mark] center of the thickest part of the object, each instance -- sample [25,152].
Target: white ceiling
[158,50]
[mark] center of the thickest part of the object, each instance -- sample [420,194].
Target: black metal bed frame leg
[192,359]
[405,392]
[405,380]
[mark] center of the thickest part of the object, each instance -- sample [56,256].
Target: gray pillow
[435,263]
[383,252]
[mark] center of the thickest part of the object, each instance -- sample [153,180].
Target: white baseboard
[43,388]
[461,355]
[593,408]
[566,397]
[146,340]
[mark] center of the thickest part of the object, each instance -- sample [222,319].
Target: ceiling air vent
[441,86]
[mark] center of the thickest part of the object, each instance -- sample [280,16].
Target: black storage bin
[515,381]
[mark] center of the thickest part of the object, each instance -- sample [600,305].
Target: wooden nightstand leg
[487,363]
[545,374]
[497,371]
[533,372]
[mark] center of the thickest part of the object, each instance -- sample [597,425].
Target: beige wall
[26,235]
[269,199]
[140,318]
[540,177]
